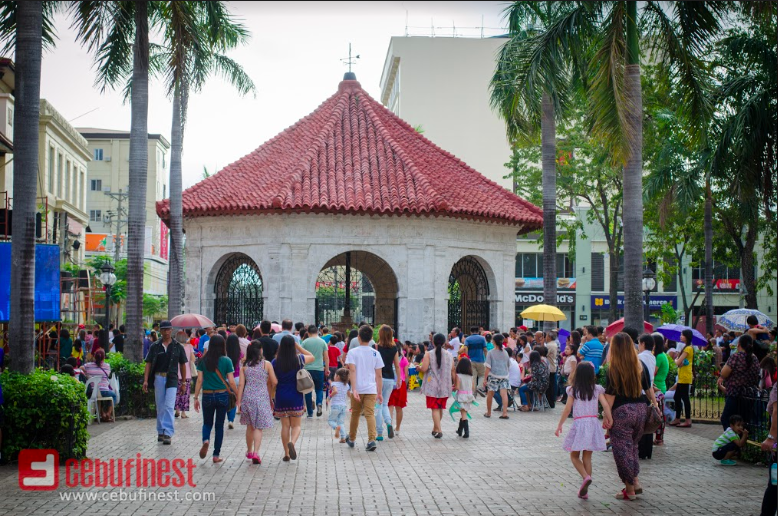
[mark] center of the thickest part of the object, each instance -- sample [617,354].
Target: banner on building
[163,240]
[655,304]
[536,298]
[537,283]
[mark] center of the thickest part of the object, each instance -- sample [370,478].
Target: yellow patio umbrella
[543,313]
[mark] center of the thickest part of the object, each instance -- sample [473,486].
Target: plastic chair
[91,402]
[114,383]
[539,401]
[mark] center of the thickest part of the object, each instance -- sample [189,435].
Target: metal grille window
[598,272]
[468,289]
[238,292]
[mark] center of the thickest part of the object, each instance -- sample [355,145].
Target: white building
[441,85]
[109,173]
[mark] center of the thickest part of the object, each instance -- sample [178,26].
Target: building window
[51,169]
[96,185]
[724,278]
[530,265]
[10,117]
[59,175]
[95,216]
[598,272]
[98,155]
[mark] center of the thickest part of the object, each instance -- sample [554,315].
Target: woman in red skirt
[399,398]
[439,378]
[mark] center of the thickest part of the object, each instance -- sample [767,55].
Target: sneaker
[379,438]
[371,446]
[349,442]
[318,410]
[166,439]
[309,416]
[728,463]
[231,426]
[390,431]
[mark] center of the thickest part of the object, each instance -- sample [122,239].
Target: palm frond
[233,74]
[8,25]
[607,99]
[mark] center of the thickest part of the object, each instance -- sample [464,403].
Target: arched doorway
[238,292]
[356,286]
[468,295]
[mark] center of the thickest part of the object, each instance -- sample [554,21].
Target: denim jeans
[382,415]
[231,414]
[215,403]
[338,419]
[165,400]
[523,391]
[318,388]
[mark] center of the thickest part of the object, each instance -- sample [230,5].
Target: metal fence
[707,400]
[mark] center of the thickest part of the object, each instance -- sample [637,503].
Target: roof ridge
[397,148]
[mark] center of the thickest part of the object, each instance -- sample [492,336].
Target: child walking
[464,395]
[585,436]
[257,385]
[338,393]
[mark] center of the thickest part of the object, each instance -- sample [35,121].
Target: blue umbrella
[735,320]
[673,332]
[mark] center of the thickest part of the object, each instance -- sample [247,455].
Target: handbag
[304,379]
[233,397]
[654,420]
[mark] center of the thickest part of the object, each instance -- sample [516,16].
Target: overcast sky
[293,58]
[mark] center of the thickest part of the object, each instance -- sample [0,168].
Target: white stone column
[297,281]
[272,281]
[419,305]
[442,272]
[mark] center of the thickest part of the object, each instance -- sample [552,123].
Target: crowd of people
[284,372]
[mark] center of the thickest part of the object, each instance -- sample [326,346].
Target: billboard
[46,282]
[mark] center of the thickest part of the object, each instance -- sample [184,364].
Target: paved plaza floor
[506,467]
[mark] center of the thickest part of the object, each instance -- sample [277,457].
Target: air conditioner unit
[107,159]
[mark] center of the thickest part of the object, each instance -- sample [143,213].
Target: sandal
[438,435]
[582,492]
[504,417]
[286,458]
[674,422]
[292,452]
[217,460]
[255,459]
[688,424]
[525,409]
[487,415]
[204,450]
[623,495]
[638,490]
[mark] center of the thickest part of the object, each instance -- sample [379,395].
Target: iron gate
[238,293]
[468,290]
[331,296]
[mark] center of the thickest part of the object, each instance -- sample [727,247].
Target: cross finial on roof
[350,60]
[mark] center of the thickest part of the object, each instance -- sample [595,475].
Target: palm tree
[678,43]
[533,66]
[196,35]
[26,28]
[119,34]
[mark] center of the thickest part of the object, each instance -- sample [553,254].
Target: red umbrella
[192,321]
[616,326]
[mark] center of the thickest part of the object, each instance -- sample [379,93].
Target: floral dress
[255,402]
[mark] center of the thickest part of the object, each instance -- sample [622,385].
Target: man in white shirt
[454,343]
[365,365]
[646,354]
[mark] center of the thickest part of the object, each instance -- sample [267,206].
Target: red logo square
[38,470]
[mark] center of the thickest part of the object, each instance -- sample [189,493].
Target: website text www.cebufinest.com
[139,495]
[98,479]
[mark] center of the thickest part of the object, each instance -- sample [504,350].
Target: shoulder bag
[304,379]
[233,397]
[654,419]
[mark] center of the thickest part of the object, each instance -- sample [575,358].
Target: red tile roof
[352,155]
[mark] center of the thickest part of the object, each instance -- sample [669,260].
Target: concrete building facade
[109,173]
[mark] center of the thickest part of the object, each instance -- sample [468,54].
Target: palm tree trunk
[548,147]
[175,285]
[708,230]
[613,285]
[747,277]
[633,180]
[139,159]
[29,21]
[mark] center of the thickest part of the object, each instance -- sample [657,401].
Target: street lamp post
[649,283]
[107,278]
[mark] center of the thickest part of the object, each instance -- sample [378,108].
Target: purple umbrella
[563,335]
[673,332]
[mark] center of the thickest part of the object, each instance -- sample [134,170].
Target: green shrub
[672,372]
[44,411]
[133,400]
[602,374]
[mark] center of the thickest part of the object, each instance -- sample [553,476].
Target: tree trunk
[139,159]
[633,180]
[175,284]
[613,288]
[548,146]
[708,230]
[29,21]
[747,276]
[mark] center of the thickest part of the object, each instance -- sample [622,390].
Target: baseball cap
[165,325]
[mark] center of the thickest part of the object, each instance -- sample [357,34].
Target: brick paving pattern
[505,468]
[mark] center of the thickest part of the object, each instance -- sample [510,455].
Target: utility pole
[121,220]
